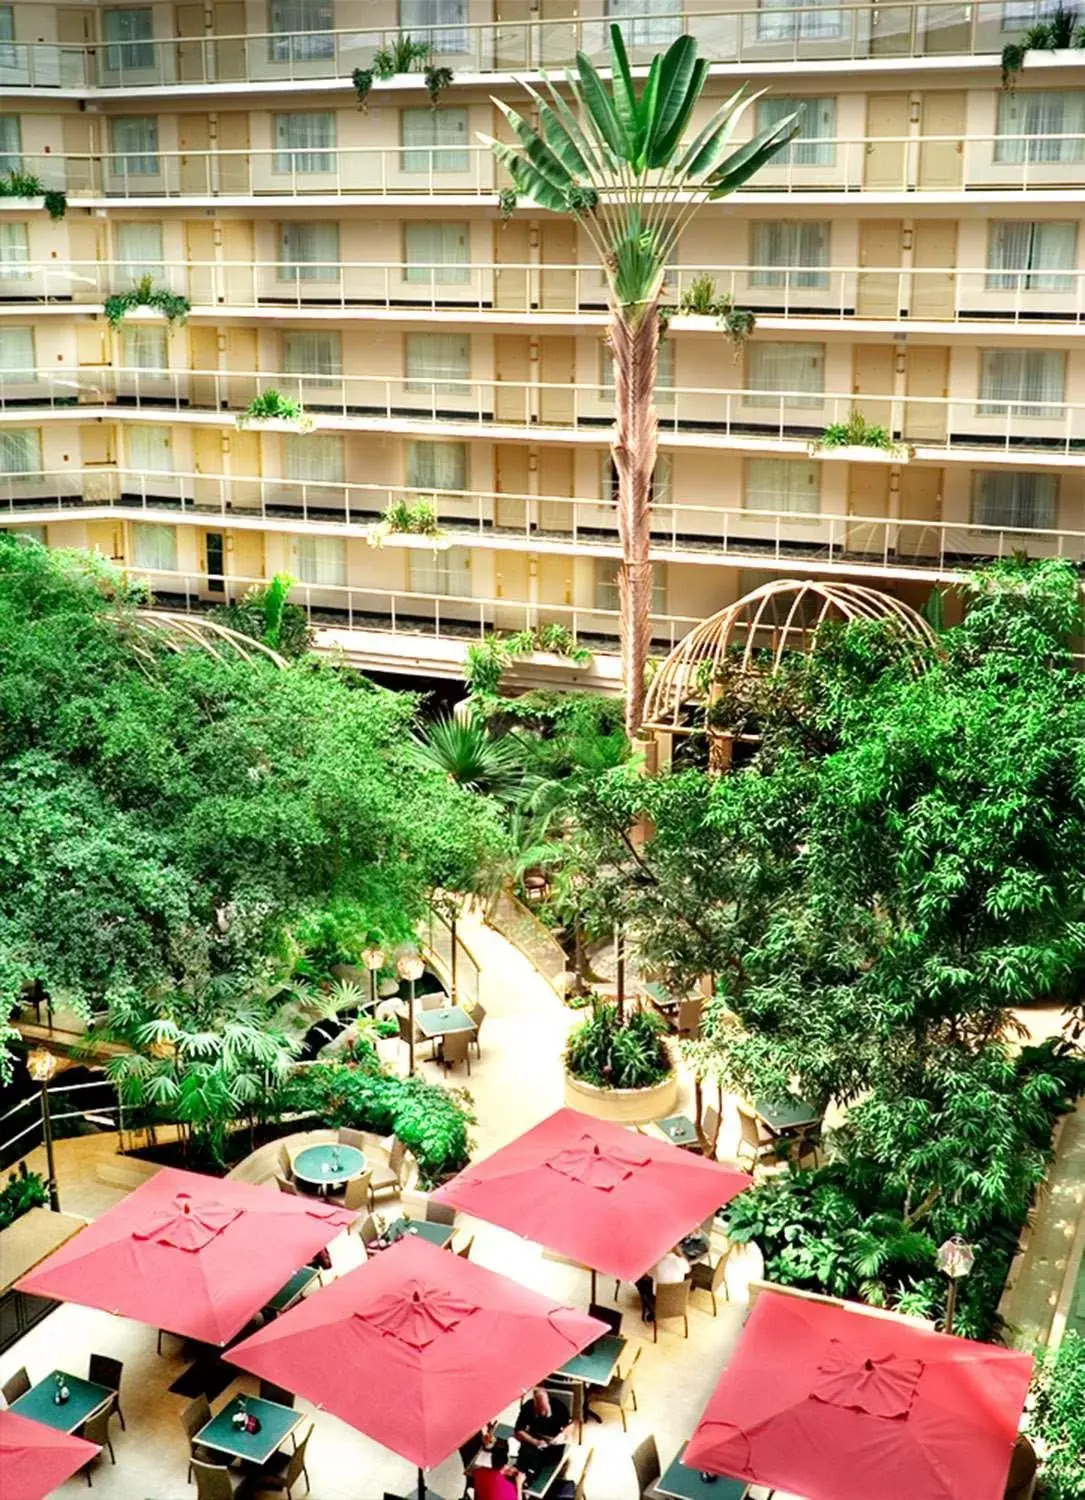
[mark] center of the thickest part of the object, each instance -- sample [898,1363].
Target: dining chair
[572,1393]
[356,1193]
[213,1481]
[710,1131]
[477,1013]
[439,1213]
[456,1048]
[268,1391]
[706,1277]
[104,1370]
[688,1019]
[286,1166]
[619,1390]
[283,1470]
[756,1141]
[366,1229]
[672,1301]
[611,1316]
[575,1489]
[435,1000]
[355,1138]
[285,1186]
[646,1466]
[96,1430]
[196,1414]
[389,1179]
[16,1385]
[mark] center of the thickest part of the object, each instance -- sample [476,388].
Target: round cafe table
[315,1165]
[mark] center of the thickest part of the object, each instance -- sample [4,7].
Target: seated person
[501,1480]
[672,1268]
[542,1430]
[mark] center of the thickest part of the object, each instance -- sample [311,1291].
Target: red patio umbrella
[835,1404]
[192,1254]
[595,1192]
[417,1348]
[35,1459]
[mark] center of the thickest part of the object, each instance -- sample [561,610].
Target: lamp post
[409,966]
[955,1260]
[41,1065]
[373,958]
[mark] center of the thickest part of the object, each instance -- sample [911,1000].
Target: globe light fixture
[955,1260]
[409,966]
[42,1064]
[373,957]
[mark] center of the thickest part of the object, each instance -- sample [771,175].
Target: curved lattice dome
[753,634]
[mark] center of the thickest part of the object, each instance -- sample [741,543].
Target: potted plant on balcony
[174,307]
[1061,31]
[31,192]
[407,525]
[860,441]
[405,55]
[272,412]
[700,300]
[617,1067]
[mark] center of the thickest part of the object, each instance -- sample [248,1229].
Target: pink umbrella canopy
[417,1348]
[595,1192]
[35,1459]
[835,1404]
[192,1254]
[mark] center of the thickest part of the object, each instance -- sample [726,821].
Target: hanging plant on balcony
[25,185]
[1058,32]
[172,305]
[699,300]
[436,80]
[857,432]
[410,524]
[404,55]
[274,411]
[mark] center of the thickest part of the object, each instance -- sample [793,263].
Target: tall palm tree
[616,161]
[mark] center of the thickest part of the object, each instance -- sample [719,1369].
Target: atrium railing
[878,293]
[745,34]
[1018,162]
[680,530]
[1025,425]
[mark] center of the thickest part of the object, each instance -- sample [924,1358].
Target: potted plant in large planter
[272,412]
[407,525]
[617,1067]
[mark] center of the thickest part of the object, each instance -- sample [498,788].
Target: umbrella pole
[593,1296]
[421,1485]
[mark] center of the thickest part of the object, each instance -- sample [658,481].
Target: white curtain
[782,21]
[1022,383]
[138,249]
[135,145]
[309,252]
[434,140]
[150,449]
[313,353]
[437,466]
[446,573]
[647,23]
[798,369]
[814,145]
[787,243]
[436,253]
[20,450]
[1005,498]
[129,34]
[315,456]
[321,560]
[665,381]
[302,30]
[1028,257]
[11,144]
[1041,115]
[305,142]
[14,252]
[17,352]
[441,23]
[144,347]
[436,361]
[783,484]
[154,547]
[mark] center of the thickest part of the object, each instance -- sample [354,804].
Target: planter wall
[623,1106]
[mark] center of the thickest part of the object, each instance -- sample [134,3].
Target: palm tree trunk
[634,341]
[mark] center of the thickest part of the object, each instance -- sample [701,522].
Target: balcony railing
[1022,162]
[726,35]
[481,518]
[952,294]
[772,421]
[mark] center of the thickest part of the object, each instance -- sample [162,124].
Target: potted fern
[618,1067]
[29,191]
[272,412]
[860,441]
[407,525]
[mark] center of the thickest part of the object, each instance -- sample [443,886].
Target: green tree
[618,163]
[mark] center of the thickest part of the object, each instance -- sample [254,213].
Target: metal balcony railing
[950,294]
[1020,162]
[773,421]
[480,518]
[795,33]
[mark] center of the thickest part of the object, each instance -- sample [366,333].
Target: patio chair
[16,1385]
[706,1277]
[710,1131]
[464,1252]
[286,1166]
[103,1370]
[268,1391]
[756,1141]
[478,1015]
[283,1470]
[285,1186]
[356,1192]
[688,1019]
[355,1138]
[439,1213]
[96,1430]
[572,1393]
[456,1048]
[574,1489]
[611,1316]
[646,1466]
[389,1179]
[619,1390]
[1021,1481]
[213,1481]
[196,1414]
[672,1301]
[435,1000]
[366,1230]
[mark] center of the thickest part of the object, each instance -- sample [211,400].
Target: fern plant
[700,300]
[1058,32]
[857,432]
[26,185]
[174,307]
[272,406]
[618,1054]
[403,55]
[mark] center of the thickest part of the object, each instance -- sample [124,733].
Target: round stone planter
[623,1106]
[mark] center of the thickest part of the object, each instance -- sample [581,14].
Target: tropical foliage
[618,1052]
[23,1191]
[1056,1418]
[1060,30]
[25,185]
[174,307]
[266,613]
[468,753]
[272,406]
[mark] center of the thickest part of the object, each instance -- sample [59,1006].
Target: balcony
[747,36]
[778,422]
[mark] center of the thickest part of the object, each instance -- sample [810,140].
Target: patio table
[292,1291]
[597,1363]
[687,1484]
[86,1397]
[544,1480]
[437,1234]
[276,1424]
[784,1116]
[316,1165]
[678,1129]
[437,1023]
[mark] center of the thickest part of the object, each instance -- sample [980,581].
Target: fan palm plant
[467,753]
[616,160]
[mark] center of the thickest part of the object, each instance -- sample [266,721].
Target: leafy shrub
[267,615]
[23,1191]
[700,300]
[174,307]
[272,406]
[26,185]
[1056,1418]
[856,432]
[486,661]
[609,1053]
[436,80]
[419,519]
[401,57]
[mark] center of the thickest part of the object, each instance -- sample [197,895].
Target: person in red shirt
[502,1480]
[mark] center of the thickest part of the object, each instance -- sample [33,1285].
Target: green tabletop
[687,1484]
[86,1397]
[314,1164]
[276,1424]
[292,1290]
[786,1114]
[597,1363]
[544,1480]
[679,1130]
[433,1023]
[437,1234]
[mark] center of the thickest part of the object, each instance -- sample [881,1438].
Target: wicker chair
[283,1470]
[672,1301]
[16,1385]
[756,1141]
[619,1391]
[356,1194]
[96,1430]
[213,1481]
[710,1131]
[647,1467]
[705,1277]
[104,1370]
[456,1048]
[390,1179]
[478,1015]
[196,1414]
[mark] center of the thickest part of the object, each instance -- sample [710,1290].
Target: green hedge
[23,1191]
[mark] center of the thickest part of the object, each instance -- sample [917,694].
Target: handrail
[938,294]
[506,914]
[705,531]
[714,413]
[847,30]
